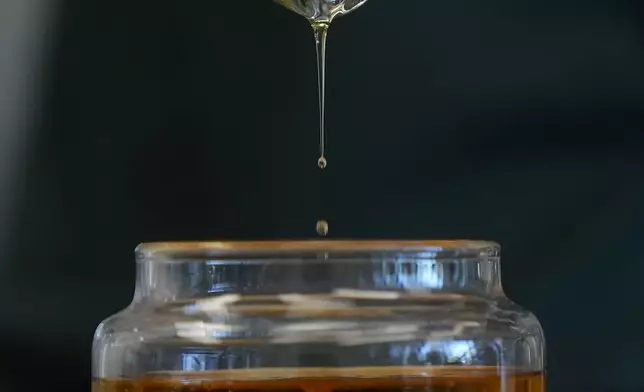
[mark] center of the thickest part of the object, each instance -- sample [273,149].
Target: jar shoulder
[494,317]
[516,316]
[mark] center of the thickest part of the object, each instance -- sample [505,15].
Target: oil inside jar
[390,379]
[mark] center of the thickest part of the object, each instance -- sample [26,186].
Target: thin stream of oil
[320,31]
[320,13]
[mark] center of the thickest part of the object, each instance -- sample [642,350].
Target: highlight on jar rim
[440,248]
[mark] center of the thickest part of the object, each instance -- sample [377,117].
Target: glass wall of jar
[312,316]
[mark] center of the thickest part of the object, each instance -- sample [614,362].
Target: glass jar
[319,316]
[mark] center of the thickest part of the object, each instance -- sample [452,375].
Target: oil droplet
[322,162]
[322,227]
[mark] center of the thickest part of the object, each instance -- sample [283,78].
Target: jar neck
[176,279]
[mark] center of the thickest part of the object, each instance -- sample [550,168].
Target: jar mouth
[433,249]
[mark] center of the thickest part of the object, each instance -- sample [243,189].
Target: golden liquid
[320,31]
[426,379]
[320,14]
[322,160]
[322,228]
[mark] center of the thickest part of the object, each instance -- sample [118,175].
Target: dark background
[128,121]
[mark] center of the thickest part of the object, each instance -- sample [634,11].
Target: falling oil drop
[322,163]
[322,227]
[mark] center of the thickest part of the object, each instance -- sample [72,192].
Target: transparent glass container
[319,316]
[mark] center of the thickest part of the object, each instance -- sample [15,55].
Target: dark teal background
[514,121]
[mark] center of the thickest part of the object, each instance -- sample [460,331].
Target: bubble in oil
[322,163]
[322,227]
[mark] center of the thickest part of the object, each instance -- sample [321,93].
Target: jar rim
[298,247]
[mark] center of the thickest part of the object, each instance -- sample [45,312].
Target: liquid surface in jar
[434,379]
